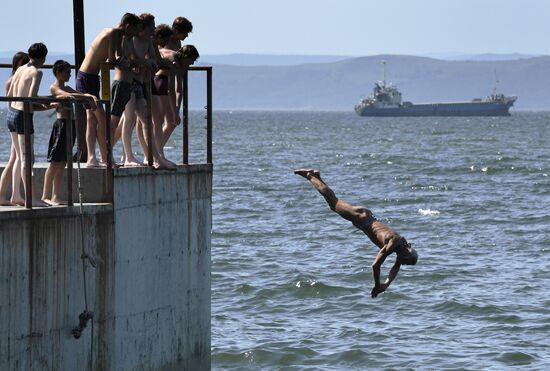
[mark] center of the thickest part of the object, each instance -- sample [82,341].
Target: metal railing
[105,70]
[76,103]
[79,116]
[185,119]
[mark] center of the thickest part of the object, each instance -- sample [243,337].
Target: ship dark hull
[440,109]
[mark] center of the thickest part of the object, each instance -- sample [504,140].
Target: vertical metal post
[78,17]
[28,153]
[209,115]
[185,117]
[79,54]
[149,123]
[105,71]
[108,192]
[69,152]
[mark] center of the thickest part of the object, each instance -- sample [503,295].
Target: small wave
[516,358]
[428,212]
[311,287]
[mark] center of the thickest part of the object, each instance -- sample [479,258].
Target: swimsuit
[159,85]
[87,83]
[16,121]
[57,147]
[121,92]
[139,89]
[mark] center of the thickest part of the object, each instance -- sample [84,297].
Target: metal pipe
[209,115]
[28,154]
[78,17]
[105,71]
[69,152]
[109,169]
[185,118]
[149,123]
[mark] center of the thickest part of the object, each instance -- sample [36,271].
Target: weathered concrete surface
[93,182]
[150,292]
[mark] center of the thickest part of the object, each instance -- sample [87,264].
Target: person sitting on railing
[25,82]
[57,147]
[105,47]
[181,28]
[182,59]
[19,59]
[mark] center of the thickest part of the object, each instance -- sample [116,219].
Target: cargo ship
[385,100]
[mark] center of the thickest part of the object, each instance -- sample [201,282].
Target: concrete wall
[150,291]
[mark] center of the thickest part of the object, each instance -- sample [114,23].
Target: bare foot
[4,202]
[92,163]
[307,173]
[132,163]
[164,165]
[56,202]
[18,202]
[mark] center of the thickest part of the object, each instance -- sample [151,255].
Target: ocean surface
[291,280]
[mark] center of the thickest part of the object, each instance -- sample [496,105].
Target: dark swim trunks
[159,85]
[16,121]
[139,89]
[57,147]
[87,83]
[121,92]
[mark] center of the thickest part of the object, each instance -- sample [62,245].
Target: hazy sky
[337,27]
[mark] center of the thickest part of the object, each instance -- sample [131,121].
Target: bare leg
[160,162]
[141,139]
[91,138]
[158,120]
[35,197]
[6,177]
[56,187]
[48,181]
[127,129]
[16,198]
[342,208]
[170,118]
[101,130]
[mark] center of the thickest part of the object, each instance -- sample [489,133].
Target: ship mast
[384,73]
[495,81]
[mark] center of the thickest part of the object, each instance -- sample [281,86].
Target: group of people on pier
[142,54]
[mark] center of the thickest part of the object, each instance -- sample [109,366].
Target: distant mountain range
[337,83]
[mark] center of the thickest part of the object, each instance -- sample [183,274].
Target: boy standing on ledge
[57,147]
[25,83]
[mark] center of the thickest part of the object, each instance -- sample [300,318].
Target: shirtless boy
[181,28]
[19,59]
[25,82]
[57,147]
[144,54]
[125,86]
[104,48]
[387,240]
[181,59]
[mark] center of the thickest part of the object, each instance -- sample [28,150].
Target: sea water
[291,280]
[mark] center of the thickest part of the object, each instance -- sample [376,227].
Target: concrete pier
[150,290]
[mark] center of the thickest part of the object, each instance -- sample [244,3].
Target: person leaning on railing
[57,146]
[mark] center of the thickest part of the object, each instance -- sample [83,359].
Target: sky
[305,27]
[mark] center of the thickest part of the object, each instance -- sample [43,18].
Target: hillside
[339,85]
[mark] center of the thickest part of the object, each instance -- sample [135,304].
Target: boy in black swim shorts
[25,82]
[57,147]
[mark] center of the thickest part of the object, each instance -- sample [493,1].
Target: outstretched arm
[393,273]
[376,266]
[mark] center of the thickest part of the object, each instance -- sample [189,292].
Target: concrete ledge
[150,292]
